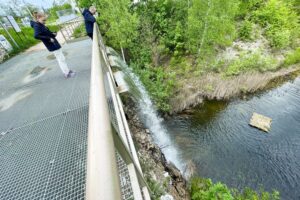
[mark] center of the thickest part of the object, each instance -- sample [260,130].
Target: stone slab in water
[261,122]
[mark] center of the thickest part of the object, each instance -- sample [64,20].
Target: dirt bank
[162,177]
[216,86]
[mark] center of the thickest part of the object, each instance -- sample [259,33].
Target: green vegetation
[246,30]
[79,31]
[205,189]
[210,23]
[280,22]
[24,42]
[167,40]
[156,189]
[52,11]
[292,58]
[160,84]
[251,62]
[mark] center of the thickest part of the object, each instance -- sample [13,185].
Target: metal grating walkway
[43,126]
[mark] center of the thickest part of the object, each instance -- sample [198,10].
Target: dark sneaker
[71,74]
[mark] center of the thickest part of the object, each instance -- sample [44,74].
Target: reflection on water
[217,137]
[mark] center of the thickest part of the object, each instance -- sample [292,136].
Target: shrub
[252,62]
[79,31]
[279,38]
[280,21]
[159,84]
[292,58]
[245,32]
[205,189]
[156,189]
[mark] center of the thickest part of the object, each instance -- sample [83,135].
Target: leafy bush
[248,6]
[79,31]
[211,24]
[205,189]
[245,32]
[292,58]
[156,189]
[252,62]
[280,21]
[279,38]
[159,84]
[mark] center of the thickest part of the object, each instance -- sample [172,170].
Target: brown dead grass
[215,86]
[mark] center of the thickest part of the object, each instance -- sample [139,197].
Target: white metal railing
[108,133]
[68,28]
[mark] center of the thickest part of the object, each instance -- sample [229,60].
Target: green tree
[210,24]
[52,11]
[117,22]
[280,22]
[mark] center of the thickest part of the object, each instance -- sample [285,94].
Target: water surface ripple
[217,137]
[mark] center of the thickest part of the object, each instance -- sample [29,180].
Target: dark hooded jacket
[41,32]
[89,20]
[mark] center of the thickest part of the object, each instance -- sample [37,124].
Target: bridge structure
[66,138]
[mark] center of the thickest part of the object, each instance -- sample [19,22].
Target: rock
[166,197]
[173,171]
[190,169]
[156,167]
[261,122]
[166,174]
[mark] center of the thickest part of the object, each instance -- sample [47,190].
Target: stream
[217,138]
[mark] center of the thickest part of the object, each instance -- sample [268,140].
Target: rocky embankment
[164,177]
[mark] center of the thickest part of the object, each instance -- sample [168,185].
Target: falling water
[148,113]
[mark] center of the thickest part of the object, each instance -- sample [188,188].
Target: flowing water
[148,114]
[217,138]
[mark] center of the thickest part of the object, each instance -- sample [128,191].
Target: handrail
[105,139]
[102,181]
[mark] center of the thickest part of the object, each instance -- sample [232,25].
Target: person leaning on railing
[41,32]
[89,20]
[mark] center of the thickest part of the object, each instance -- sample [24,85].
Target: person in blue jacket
[41,32]
[89,20]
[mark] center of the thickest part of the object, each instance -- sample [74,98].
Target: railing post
[102,180]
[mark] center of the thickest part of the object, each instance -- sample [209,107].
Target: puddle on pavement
[52,57]
[9,101]
[35,73]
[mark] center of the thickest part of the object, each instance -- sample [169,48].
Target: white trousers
[61,61]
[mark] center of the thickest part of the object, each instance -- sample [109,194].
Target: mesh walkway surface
[43,125]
